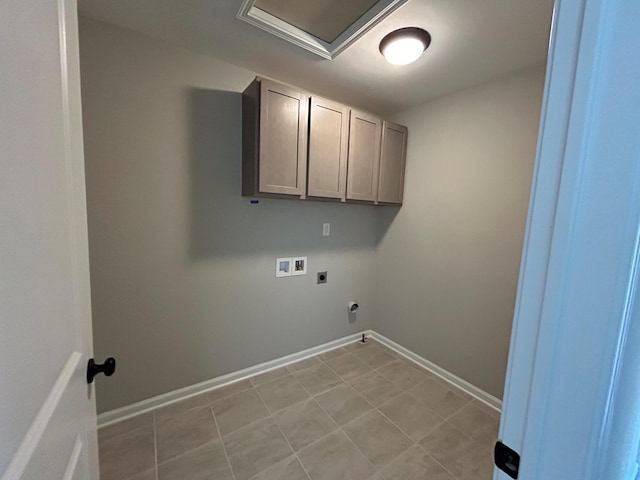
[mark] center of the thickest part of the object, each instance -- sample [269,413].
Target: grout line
[457,411]
[340,427]
[415,443]
[246,427]
[229,395]
[131,430]
[452,381]
[282,433]
[402,390]
[285,437]
[138,475]
[376,469]
[111,417]
[191,450]
[345,352]
[256,385]
[340,376]
[373,408]
[462,431]
[376,409]
[191,409]
[393,398]
[397,426]
[436,460]
[224,447]
[446,385]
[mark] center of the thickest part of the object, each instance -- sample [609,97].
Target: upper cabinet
[300,146]
[328,143]
[392,163]
[275,122]
[364,157]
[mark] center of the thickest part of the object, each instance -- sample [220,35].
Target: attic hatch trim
[269,23]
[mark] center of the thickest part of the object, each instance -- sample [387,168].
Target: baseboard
[463,385]
[114,416]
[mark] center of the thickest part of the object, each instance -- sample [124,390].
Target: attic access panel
[324,27]
[324,19]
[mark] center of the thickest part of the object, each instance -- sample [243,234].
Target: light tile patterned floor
[358,412]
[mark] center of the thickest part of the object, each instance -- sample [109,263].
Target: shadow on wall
[223,223]
[386,217]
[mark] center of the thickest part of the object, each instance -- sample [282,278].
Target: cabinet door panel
[392,163]
[364,157]
[328,143]
[283,139]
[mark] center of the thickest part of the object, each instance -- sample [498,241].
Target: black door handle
[108,367]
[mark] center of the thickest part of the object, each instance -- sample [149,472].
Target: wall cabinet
[328,143]
[275,120]
[364,157]
[297,145]
[393,154]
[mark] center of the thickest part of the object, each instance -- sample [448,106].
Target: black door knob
[108,367]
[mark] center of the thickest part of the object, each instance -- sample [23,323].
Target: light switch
[326,229]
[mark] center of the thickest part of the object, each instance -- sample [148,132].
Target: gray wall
[448,263]
[182,267]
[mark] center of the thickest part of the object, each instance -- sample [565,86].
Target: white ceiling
[473,41]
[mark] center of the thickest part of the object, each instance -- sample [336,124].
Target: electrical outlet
[322,277]
[326,229]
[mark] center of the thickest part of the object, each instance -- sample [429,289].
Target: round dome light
[405,45]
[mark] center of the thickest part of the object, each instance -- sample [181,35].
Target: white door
[47,410]
[580,269]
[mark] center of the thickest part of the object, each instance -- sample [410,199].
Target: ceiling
[473,41]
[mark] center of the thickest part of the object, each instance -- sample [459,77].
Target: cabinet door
[282,166]
[392,163]
[364,157]
[328,143]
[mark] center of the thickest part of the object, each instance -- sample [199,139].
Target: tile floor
[358,412]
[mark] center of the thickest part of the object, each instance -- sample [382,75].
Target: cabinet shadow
[223,223]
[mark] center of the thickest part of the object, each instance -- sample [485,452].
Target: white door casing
[575,294]
[47,410]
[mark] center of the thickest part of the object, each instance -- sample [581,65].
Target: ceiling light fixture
[405,45]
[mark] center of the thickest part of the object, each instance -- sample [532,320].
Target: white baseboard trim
[114,416]
[123,413]
[463,385]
